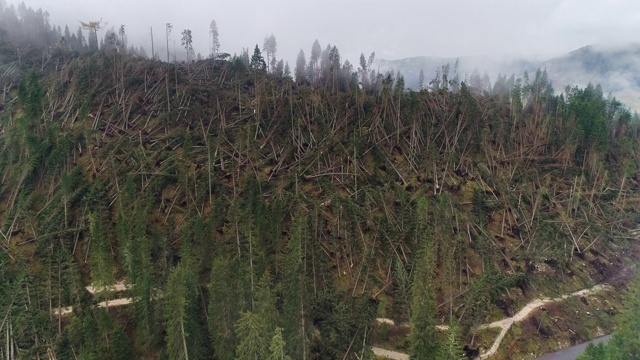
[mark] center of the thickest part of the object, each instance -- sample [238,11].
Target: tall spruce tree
[295,297]
[301,68]
[423,338]
[257,61]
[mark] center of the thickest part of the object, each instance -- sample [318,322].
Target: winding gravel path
[504,324]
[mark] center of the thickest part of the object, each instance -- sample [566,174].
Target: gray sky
[393,29]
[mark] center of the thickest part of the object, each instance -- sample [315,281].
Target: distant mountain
[616,69]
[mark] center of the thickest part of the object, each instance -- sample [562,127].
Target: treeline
[24,26]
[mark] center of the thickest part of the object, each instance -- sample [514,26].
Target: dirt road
[388,354]
[505,324]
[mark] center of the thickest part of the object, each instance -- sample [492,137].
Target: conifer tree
[277,346]
[257,61]
[250,329]
[184,332]
[451,349]
[625,343]
[177,314]
[300,70]
[314,59]
[424,344]
[226,301]
[265,302]
[255,328]
[295,304]
[101,257]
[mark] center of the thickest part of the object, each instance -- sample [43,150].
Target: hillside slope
[255,216]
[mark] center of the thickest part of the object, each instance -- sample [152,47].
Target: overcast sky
[393,29]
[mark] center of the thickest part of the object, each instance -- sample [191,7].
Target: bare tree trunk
[184,341]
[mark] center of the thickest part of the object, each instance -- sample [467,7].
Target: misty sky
[393,29]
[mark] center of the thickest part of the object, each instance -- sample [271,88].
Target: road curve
[505,324]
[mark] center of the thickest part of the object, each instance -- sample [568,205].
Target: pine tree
[255,328]
[300,70]
[101,257]
[250,329]
[295,305]
[184,333]
[120,346]
[424,344]
[625,343]
[597,352]
[226,301]
[316,51]
[265,301]
[451,349]
[176,293]
[277,346]
[257,61]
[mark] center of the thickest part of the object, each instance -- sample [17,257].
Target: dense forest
[251,215]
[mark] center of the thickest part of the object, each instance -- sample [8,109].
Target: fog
[484,37]
[393,29]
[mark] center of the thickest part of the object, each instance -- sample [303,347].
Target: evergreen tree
[589,110]
[287,70]
[101,257]
[452,347]
[177,314]
[184,332]
[316,51]
[257,61]
[277,346]
[121,346]
[295,303]
[625,343]
[226,300]
[265,302]
[250,328]
[596,352]
[300,70]
[424,344]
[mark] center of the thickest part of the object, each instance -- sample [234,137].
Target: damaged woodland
[250,214]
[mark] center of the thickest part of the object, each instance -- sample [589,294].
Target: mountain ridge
[614,67]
